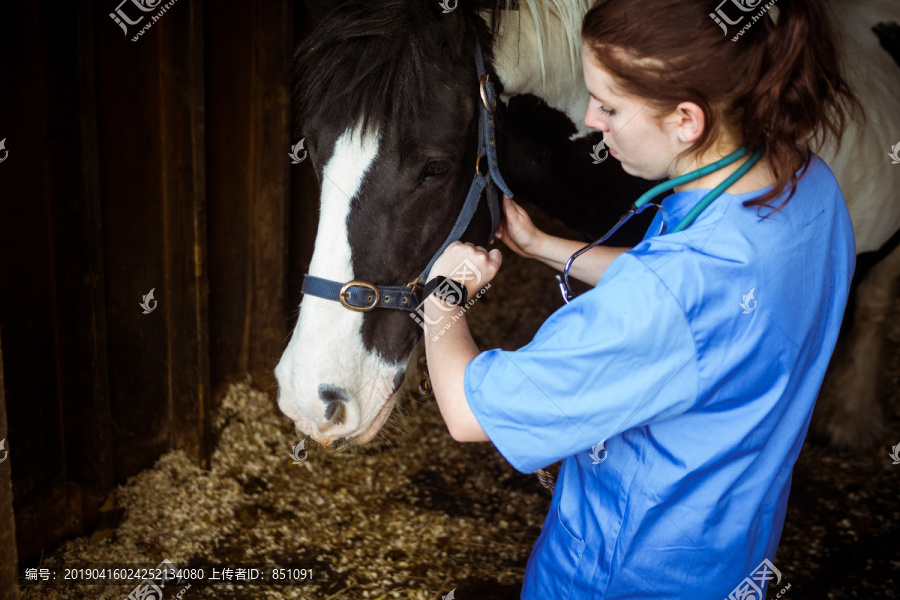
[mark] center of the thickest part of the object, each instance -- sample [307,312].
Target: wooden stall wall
[159,164]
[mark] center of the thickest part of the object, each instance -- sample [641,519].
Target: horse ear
[319,9]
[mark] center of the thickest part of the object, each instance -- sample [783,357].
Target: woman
[677,392]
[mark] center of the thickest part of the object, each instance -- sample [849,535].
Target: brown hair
[781,85]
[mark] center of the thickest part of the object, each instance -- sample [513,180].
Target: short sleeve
[617,357]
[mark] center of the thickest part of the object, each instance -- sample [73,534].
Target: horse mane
[381,49]
[570,14]
[368,64]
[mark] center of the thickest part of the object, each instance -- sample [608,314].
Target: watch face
[451,291]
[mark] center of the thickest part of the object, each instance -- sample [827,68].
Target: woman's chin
[643,173]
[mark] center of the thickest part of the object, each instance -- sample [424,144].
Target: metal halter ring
[484,95]
[477,163]
[345,294]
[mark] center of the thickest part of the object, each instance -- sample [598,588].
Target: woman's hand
[471,265]
[518,231]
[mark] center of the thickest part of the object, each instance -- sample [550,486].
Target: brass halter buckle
[344,295]
[485,79]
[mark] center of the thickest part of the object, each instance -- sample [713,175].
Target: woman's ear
[690,122]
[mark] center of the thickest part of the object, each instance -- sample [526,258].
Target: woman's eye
[436,168]
[604,110]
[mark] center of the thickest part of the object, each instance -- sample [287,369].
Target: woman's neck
[757,178]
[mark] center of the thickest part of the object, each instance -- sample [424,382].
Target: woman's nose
[593,120]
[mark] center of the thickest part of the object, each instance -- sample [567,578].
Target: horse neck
[537,50]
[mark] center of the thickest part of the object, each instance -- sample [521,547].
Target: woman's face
[643,145]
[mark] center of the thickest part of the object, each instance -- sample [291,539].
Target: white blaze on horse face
[326,348]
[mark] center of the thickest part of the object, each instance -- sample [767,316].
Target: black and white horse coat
[392,184]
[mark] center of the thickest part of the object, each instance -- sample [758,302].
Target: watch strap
[448,290]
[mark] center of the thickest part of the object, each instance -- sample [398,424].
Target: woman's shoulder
[815,177]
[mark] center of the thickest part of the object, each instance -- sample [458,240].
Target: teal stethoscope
[645,200]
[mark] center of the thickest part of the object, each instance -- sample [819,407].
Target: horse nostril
[334,398]
[335,412]
[333,393]
[398,379]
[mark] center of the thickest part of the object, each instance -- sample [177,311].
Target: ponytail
[779,84]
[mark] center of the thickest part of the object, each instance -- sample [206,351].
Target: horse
[849,412]
[390,103]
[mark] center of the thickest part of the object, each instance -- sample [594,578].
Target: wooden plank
[184,197]
[76,231]
[9,590]
[28,316]
[132,148]
[270,142]
[247,151]
[228,37]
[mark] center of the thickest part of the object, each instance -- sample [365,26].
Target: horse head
[388,99]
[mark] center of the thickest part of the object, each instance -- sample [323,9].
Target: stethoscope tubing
[644,201]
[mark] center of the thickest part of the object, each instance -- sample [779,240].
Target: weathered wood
[104,196]
[229,37]
[133,144]
[9,590]
[270,142]
[249,141]
[76,231]
[30,301]
[184,205]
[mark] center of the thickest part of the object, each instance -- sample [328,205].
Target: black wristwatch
[446,289]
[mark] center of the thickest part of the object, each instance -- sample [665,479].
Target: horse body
[395,161]
[538,51]
[848,411]
[862,166]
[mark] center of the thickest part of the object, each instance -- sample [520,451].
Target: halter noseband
[362,296]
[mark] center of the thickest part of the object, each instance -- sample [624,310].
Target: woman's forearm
[449,347]
[590,266]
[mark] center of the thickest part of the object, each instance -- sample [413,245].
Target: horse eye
[436,168]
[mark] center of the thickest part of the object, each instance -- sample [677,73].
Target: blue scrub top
[702,394]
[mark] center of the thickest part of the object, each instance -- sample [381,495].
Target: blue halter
[362,296]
